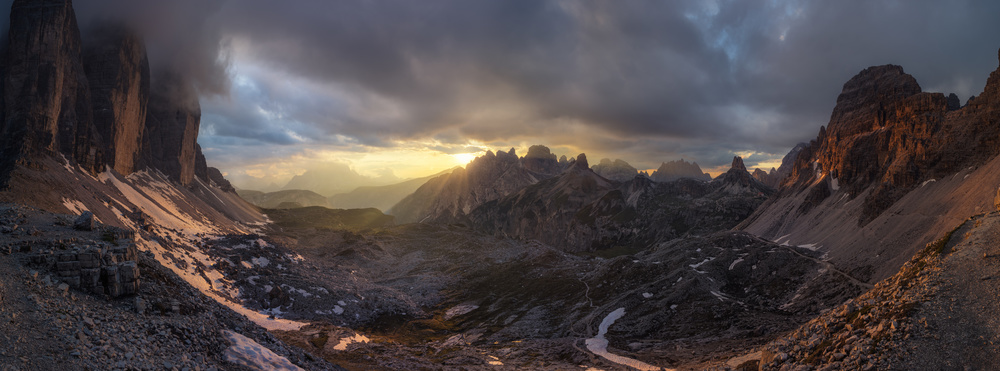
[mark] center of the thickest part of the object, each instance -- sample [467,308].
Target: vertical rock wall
[118,72]
[46,96]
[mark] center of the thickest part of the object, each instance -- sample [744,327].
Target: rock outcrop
[617,170]
[674,170]
[738,180]
[766,177]
[93,103]
[118,72]
[46,96]
[172,120]
[451,197]
[541,161]
[885,137]
[581,211]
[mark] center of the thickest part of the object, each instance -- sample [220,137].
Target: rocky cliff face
[885,137]
[581,211]
[451,197]
[46,96]
[118,73]
[172,120]
[674,170]
[768,178]
[738,180]
[93,103]
[617,170]
[541,161]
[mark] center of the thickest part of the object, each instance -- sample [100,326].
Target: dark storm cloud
[646,81]
[736,76]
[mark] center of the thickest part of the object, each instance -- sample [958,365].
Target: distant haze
[411,88]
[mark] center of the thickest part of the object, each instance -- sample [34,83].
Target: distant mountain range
[380,197]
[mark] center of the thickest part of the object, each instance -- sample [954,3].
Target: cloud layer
[646,81]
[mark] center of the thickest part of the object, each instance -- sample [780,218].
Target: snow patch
[810,246]
[213,284]
[344,342]
[927,181]
[599,345]
[695,266]
[74,206]
[459,310]
[737,261]
[261,261]
[834,184]
[247,352]
[647,295]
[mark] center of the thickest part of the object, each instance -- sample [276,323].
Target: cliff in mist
[94,101]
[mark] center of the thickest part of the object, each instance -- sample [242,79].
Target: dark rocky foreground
[48,323]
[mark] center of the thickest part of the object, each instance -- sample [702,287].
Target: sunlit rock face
[452,196]
[118,72]
[887,134]
[93,102]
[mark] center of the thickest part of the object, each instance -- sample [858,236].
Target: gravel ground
[45,325]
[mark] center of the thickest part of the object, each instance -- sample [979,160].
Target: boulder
[84,222]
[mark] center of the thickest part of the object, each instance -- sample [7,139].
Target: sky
[410,88]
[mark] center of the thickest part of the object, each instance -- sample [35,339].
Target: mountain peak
[738,163]
[581,161]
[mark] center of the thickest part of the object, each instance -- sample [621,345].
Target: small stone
[63,288]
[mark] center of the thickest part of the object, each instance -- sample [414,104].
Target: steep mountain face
[451,197]
[788,162]
[884,132]
[118,73]
[901,164]
[46,96]
[541,161]
[774,177]
[617,170]
[737,180]
[93,103]
[674,170]
[581,211]
[551,211]
[172,121]
[765,177]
